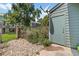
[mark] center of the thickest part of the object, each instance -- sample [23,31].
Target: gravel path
[21,47]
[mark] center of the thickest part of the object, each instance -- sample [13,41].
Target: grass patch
[8,37]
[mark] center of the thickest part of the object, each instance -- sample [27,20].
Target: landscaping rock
[1,46]
[22,47]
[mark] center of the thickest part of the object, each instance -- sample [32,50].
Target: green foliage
[33,39]
[8,37]
[22,13]
[46,42]
[44,21]
[39,36]
[78,48]
[37,12]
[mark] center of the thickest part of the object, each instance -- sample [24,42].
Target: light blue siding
[74,23]
[60,22]
[68,16]
[59,28]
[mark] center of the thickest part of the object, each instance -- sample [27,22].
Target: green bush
[46,42]
[39,37]
[33,38]
[77,47]
[39,40]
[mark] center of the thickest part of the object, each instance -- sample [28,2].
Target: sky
[4,7]
[45,6]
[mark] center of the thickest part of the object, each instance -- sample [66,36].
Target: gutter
[55,7]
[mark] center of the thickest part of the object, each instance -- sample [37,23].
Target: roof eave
[55,7]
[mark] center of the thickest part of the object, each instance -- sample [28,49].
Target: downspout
[49,23]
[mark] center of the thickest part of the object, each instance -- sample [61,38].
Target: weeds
[39,37]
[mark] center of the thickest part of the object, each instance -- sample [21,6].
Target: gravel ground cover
[21,47]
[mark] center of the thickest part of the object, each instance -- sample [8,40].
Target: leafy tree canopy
[22,13]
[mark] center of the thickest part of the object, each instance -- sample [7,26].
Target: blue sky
[4,7]
[7,6]
[45,6]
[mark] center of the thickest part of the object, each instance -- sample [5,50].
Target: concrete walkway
[57,50]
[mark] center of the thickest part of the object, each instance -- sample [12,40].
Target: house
[1,23]
[4,27]
[64,24]
[34,24]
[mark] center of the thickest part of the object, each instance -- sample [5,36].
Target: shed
[64,24]
[34,24]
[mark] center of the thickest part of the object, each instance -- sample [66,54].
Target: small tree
[21,14]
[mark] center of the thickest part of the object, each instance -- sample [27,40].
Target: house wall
[74,23]
[62,10]
[1,24]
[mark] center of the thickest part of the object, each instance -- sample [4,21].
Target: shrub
[46,42]
[44,32]
[39,36]
[77,47]
[33,38]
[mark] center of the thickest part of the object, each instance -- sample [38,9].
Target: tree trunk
[1,35]
[18,32]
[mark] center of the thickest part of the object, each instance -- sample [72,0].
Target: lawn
[8,37]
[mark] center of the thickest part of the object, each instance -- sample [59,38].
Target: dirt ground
[58,50]
[22,47]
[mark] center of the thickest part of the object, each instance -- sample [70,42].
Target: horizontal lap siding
[74,24]
[62,10]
